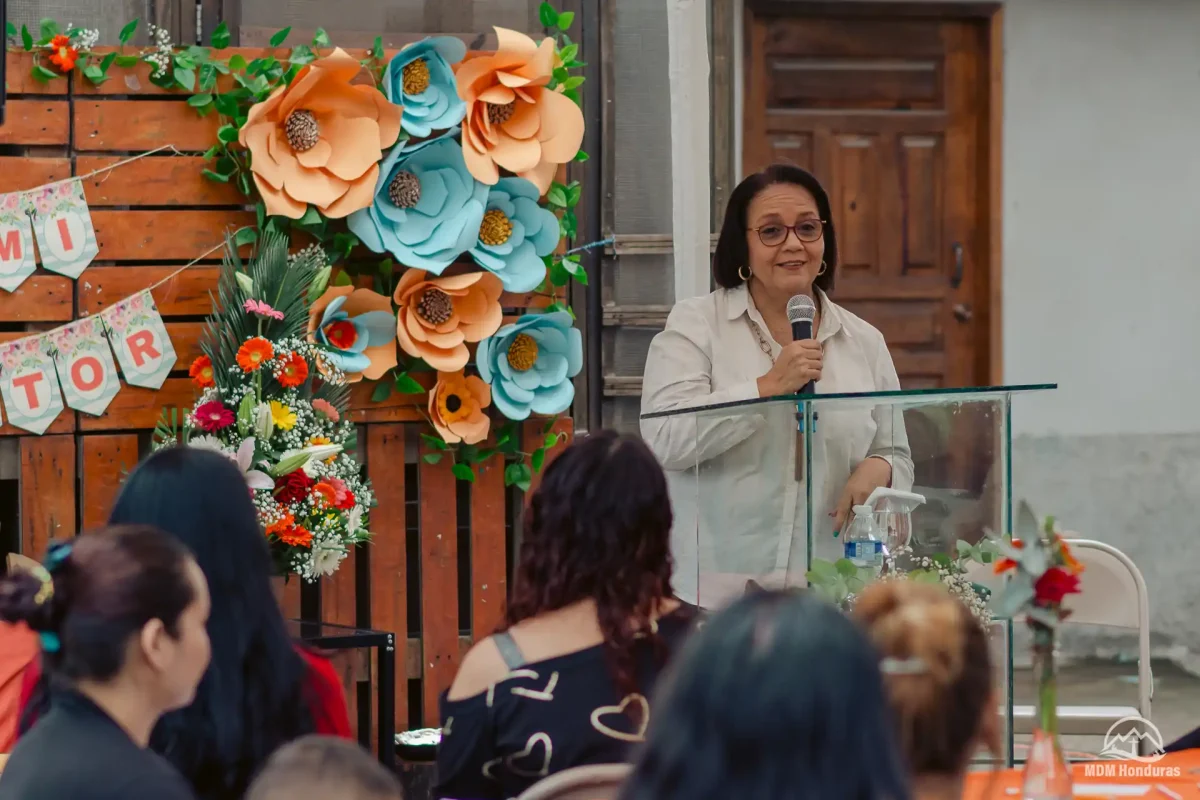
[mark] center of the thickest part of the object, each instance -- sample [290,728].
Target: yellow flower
[282,416]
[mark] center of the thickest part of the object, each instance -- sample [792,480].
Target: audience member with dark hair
[938,674]
[321,768]
[121,615]
[778,696]
[262,690]
[18,649]
[591,622]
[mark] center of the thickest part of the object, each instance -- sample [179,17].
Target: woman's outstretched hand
[867,477]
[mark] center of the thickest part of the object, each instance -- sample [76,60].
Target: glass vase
[1047,774]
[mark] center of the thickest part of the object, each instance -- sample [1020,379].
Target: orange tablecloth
[1177,772]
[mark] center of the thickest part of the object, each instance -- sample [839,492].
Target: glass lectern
[755,485]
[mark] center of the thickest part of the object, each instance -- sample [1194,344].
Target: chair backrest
[592,782]
[1112,589]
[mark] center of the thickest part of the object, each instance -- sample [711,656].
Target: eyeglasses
[807,230]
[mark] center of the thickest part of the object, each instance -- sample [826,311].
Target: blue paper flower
[420,79]
[357,329]
[515,235]
[530,363]
[427,209]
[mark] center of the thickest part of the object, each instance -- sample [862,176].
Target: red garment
[324,691]
[18,650]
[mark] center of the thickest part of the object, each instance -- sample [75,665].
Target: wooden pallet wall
[436,574]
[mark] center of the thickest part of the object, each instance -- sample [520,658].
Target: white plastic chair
[1112,594]
[591,782]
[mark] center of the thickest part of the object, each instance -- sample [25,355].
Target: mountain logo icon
[1129,737]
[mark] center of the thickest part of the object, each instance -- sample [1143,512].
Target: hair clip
[903,666]
[57,554]
[50,641]
[46,590]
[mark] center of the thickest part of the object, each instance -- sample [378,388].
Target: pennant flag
[86,368]
[66,238]
[139,337]
[16,242]
[29,385]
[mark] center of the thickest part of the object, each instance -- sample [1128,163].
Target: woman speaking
[740,501]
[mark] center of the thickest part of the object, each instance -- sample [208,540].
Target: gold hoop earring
[824,267]
[744,273]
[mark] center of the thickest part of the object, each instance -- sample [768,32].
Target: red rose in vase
[293,487]
[1055,584]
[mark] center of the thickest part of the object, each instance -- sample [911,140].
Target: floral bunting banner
[66,238]
[85,366]
[16,242]
[29,385]
[140,340]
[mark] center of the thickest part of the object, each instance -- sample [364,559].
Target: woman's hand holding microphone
[798,363]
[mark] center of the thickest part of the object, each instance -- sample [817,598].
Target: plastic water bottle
[863,543]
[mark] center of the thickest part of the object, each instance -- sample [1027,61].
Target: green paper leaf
[311,217]
[226,133]
[518,475]
[221,36]
[302,54]
[10,30]
[26,38]
[406,384]
[48,28]
[564,20]
[377,49]
[538,458]
[215,176]
[343,243]
[557,197]
[573,82]
[226,105]
[208,77]
[434,442]
[574,193]
[573,95]
[42,74]
[432,458]
[129,30]
[383,390]
[94,74]
[107,62]
[561,75]
[185,61]
[185,78]
[202,100]
[568,53]
[547,15]
[246,235]
[463,473]
[343,279]
[280,36]
[125,62]
[237,62]
[320,38]
[551,440]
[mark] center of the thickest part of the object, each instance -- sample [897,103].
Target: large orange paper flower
[456,408]
[320,139]
[513,121]
[354,327]
[437,317]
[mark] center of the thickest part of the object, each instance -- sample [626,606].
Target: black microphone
[801,311]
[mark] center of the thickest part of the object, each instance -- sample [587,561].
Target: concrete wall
[1101,272]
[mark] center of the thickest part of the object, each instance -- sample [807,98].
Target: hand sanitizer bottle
[863,543]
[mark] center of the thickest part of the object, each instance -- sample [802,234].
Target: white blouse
[740,513]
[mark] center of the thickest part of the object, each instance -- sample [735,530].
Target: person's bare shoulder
[481,667]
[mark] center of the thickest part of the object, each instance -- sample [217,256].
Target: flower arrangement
[274,402]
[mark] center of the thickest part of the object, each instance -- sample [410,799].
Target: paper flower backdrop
[421,79]
[437,317]
[530,363]
[357,331]
[516,234]
[319,140]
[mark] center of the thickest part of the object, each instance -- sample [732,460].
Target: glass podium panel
[757,486]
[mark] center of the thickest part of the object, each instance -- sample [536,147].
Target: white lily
[257,479]
[311,454]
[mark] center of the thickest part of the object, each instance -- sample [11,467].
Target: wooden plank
[534,433]
[40,122]
[47,492]
[185,337]
[154,181]
[106,459]
[135,126]
[993,152]
[439,582]
[136,408]
[166,235]
[19,80]
[396,407]
[290,600]
[41,298]
[18,173]
[389,563]
[185,295]
[489,560]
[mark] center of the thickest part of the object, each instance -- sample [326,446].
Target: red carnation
[1055,584]
[293,487]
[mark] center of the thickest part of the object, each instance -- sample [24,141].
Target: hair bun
[20,600]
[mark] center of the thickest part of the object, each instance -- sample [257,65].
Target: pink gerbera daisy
[213,416]
[261,309]
[326,408]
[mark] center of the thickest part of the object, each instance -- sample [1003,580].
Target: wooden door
[891,114]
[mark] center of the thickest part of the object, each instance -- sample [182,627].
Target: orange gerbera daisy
[294,371]
[253,353]
[62,54]
[326,491]
[201,372]
[278,527]
[297,536]
[1069,561]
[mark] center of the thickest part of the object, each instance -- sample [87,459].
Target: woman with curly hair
[592,620]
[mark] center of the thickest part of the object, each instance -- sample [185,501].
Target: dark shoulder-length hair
[254,696]
[768,700]
[733,252]
[598,527]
